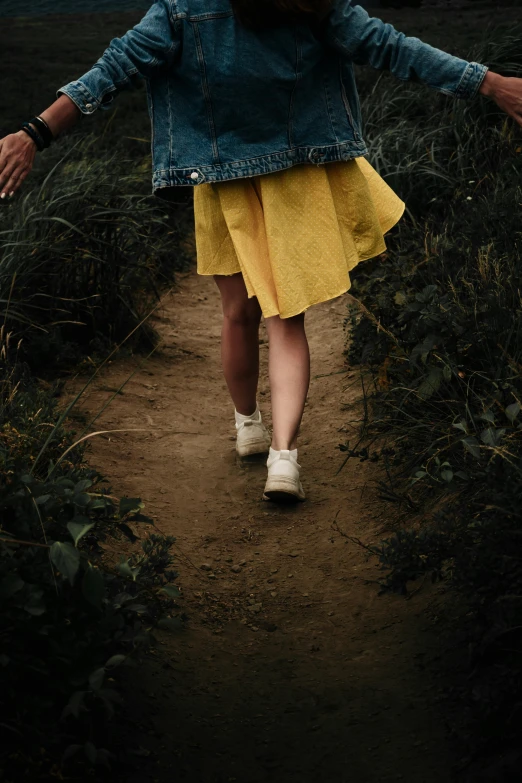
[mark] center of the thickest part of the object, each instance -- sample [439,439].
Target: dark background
[13,8]
[43,52]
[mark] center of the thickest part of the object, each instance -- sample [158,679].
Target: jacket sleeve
[366,40]
[154,42]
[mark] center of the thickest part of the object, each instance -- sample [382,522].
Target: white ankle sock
[240,417]
[274,452]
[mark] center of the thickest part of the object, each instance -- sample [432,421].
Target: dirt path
[292,667]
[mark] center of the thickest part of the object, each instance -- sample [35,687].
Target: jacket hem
[163,179]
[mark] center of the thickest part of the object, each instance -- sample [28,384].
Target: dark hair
[264,14]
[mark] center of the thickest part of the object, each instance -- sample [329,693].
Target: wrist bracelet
[43,129]
[34,135]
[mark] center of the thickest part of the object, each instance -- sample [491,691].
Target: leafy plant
[86,253]
[69,619]
[439,330]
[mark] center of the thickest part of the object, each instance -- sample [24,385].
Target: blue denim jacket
[227,102]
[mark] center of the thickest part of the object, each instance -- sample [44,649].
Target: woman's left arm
[153,42]
[365,40]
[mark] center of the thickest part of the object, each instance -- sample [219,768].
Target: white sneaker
[283,484]
[252,437]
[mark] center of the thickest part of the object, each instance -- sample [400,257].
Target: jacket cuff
[84,100]
[472,78]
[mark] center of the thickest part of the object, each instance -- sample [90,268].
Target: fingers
[8,179]
[3,164]
[16,160]
[6,171]
[11,178]
[12,185]
[16,185]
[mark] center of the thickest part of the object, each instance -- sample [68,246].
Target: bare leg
[289,371]
[239,341]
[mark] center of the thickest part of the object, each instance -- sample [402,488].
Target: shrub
[76,272]
[441,336]
[69,618]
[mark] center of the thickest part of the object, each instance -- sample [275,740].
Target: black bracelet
[43,129]
[34,135]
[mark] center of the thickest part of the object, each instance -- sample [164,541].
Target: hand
[506,91]
[17,152]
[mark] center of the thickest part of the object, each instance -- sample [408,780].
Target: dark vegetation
[440,338]
[85,252]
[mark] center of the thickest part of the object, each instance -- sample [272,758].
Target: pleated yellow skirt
[295,234]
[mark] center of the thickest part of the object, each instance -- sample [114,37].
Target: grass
[446,397]
[85,254]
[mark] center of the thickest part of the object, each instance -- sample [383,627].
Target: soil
[292,666]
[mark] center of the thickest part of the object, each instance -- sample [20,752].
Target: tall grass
[85,254]
[427,146]
[441,335]
[85,250]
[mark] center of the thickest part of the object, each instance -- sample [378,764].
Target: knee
[242,315]
[285,326]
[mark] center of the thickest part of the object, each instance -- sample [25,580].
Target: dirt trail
[293,668]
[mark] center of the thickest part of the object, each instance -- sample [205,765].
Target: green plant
[70,617]
[439,330]
[85,253]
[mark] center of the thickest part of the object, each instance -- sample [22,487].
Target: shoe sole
[282,491]
[253,447]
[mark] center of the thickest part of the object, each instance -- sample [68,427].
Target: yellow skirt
[295,234]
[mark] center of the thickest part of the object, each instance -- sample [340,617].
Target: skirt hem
[374,254]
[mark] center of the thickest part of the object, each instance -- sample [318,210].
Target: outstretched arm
[366,40]
[354,35]
[17,150]
[154,42]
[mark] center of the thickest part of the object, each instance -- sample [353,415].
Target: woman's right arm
[153,42]
[61,115]
[18,150]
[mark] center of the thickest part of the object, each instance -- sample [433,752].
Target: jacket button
[194,175]
[88,106]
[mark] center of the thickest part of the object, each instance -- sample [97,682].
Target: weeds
[446,360]
[71,617]
[85,254]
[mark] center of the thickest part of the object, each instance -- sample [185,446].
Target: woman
[244,95]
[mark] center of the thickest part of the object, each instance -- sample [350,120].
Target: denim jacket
[226,102]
